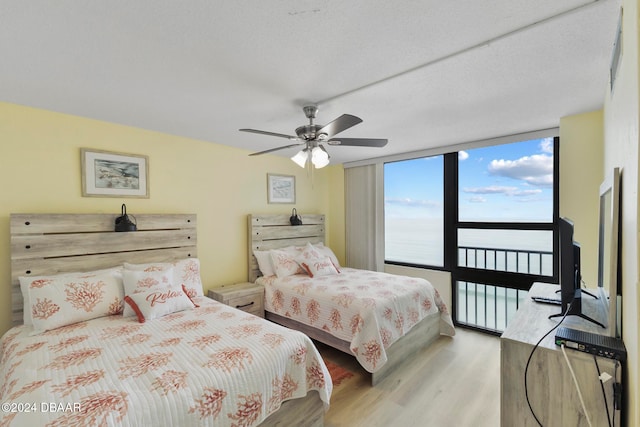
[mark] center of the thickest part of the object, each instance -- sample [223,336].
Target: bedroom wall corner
[40,171]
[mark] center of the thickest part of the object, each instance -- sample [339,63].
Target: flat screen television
[608,250]
[570,277]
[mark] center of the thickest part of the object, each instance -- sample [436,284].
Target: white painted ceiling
[423,74]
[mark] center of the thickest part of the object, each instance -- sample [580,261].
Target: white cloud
[534,170]
[477,199]
[522,195]
[463,155]
[526,193]
[493,189]
[413,203]
[546,145]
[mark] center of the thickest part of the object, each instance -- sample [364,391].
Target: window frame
[444,266]
[452,224]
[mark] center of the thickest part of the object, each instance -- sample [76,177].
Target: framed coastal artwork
[111,174]
[281,188]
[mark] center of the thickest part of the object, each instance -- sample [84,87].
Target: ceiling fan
[312,136]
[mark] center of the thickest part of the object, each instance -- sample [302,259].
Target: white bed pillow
[326,251]
[264,262]
[309,252]
[158,302]
[294,250]
[319,267]
[59,300]
[284,263]
[185,272]
[143,281]
[25,281]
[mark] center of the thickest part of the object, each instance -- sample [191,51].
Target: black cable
[615,380]
[526,368]
[604,394]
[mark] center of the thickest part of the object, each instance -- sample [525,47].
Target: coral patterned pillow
[25,283]
[284,263]
[326,251]
[65,299]
[309,253]
[320,267]
[185,272]
[142,281]
[158,302]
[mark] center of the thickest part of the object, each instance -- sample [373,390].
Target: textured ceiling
[421,73]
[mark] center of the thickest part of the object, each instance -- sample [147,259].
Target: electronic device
[547,300]
[570,277]
[600,345]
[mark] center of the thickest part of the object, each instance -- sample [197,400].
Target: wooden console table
[552,392]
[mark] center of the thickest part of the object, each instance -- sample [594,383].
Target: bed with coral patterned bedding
[382,319]
[211,365]
[368,309]
[113,329]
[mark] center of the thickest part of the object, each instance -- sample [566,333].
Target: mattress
[212,365]
[370,310]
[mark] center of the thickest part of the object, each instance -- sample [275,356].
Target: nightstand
[244,296]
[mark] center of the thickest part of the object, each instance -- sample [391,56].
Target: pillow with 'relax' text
[159,302]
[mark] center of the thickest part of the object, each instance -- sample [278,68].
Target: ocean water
[416,241]
[420,241]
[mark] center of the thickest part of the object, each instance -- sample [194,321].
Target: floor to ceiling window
[486,215]
[414,211]
[505,231]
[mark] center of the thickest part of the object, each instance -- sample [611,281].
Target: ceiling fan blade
[276,149]
[359,142]
[262,132]
[340,124]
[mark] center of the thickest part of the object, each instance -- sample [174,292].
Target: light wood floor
[454,382]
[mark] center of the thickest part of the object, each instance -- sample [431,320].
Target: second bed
[379,318]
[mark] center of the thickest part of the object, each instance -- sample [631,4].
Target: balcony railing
[500,259]
[488,306]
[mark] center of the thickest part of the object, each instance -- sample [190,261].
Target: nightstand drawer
[247,303]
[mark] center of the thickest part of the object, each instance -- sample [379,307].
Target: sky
[510,182]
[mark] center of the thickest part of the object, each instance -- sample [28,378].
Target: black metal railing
[501,259]
[489,306]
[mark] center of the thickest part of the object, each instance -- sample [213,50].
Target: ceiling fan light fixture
[319,157]
[312,136]
[301,158]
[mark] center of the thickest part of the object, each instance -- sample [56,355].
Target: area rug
[337,372]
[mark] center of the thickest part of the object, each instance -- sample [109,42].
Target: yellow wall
[40,173]
[581,172]
[621,122]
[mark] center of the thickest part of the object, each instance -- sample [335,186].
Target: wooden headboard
[44,244]
[274,231]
